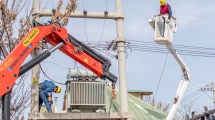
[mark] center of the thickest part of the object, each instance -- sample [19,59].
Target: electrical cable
[178,50]
[52,4]
[152,47]
[46,7]
[85,30]
[191,95]
[161,76]
[184,100]
[57,64]
[46,4]
[110,107]
[85,20]
[152,44]
[49,77]
[193,100]
[119,113]
[107,4]
[176,46]
[103,24]
[108,54]
[208,96]
[76,66]
[102,31]
[83,4]
[44,75]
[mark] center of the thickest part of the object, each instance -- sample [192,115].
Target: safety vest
[164,9]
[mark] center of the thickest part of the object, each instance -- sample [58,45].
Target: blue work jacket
[47,87]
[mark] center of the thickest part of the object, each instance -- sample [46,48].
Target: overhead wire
[61,66]
[44,73]
[192,100]
[103,28]
[161,76]
[85,30]
[57,65]
[46,6]
[102,31]
[152,47]
[208,95]
[76,66]
[106,53]
[176,46]
[190,96]
[83,4]
[194,52]
[117,110]
[85,20]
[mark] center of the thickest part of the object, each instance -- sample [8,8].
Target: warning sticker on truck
[32,35]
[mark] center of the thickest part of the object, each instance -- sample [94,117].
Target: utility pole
[35,70]
[209,87]
[121,58]
[120,42]
[213,88]
[207,115]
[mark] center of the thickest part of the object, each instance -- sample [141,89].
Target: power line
[103,24]
[85,30]
[83,4]
[102,31]
[193,100]
[208,95]
[153,44]
[190,96]
[103,28]
[49,77]
[152,47]
[161,76]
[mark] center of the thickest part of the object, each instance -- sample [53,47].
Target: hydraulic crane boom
[11,69]
[164,35]
[183,84]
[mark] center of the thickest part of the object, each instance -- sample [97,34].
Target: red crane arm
[53,34]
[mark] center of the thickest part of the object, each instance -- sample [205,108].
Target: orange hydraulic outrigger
[11,69]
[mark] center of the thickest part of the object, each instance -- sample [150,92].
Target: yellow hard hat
[58,89]
[162,2]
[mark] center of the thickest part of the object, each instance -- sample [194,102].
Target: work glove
[50,99]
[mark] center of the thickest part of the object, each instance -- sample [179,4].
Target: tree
[14,24]
[185,111]
[159,105]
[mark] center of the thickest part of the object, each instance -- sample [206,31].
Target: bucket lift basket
[163,31]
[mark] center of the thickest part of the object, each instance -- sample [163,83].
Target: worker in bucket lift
[165,8]
[47,87]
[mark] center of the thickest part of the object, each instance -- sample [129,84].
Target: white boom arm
[183,84]
[164,35]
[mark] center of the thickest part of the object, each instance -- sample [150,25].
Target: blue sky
[196,28]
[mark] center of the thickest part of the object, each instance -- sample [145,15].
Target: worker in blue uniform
[47,87]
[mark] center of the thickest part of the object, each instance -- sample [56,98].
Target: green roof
[140,109]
